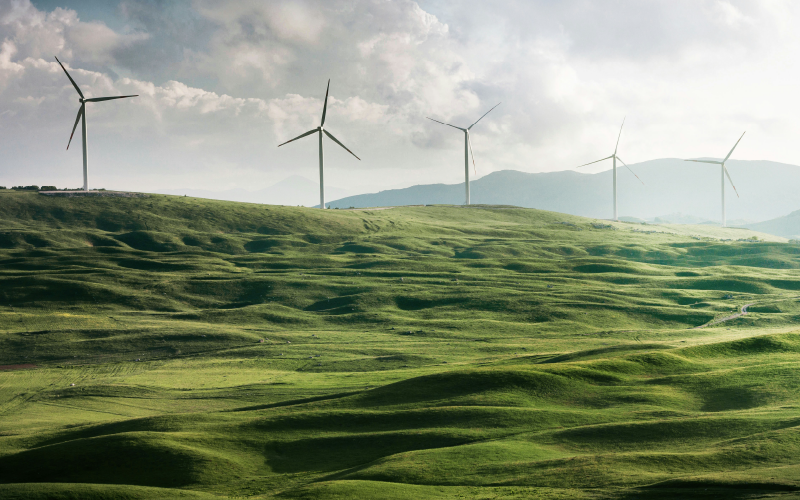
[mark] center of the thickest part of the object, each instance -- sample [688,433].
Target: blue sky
[90,10]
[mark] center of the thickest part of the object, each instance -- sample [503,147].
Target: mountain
[292,191]
[767,190]
[680,218]
[787,226]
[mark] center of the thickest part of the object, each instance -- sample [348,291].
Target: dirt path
[742,312]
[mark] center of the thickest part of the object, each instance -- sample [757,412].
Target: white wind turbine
[467,149]
[82,118]
[614,157]
[723,173]
[321,130]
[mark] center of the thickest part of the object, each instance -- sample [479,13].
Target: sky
[221,84]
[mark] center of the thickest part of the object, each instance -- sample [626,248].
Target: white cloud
[286,20]
[221,84]
[729,14]
[8,68]
[97,43]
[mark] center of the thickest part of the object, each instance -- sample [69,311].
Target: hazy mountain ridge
[787,226]
[767,190]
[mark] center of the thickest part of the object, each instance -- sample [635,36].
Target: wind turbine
[614,157]
[82,118]
[321,130]
[467,149]
[723,173]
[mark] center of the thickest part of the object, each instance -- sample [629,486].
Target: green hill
[230,350]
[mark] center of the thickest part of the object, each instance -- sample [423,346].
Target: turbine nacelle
[615,156]
[725,174]
[469,143]
[321,130]
[81,118]
[724,169]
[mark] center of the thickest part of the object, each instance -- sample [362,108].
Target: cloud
[283,20]
[42,35]
[98,43]
[8,68]
[221,84]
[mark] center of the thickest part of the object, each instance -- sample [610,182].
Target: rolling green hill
[230,350]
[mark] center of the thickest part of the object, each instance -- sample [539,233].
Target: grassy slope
[411,352]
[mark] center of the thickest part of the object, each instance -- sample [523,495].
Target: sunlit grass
[236,350]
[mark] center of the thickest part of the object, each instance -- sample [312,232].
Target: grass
[229,350]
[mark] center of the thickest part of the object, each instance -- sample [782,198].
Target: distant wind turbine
[82,118]
[723,174]
[614,157]
[467,149]
[321,130]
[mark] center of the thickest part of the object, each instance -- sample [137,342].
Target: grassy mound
[171,347]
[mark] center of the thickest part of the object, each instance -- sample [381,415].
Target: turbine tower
[82,118]
[723,174]
[467,149]
[321,130]
[614,157]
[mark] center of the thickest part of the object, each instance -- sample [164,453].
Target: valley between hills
[176,347]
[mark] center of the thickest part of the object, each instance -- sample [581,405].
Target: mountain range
[787,226]
[766,190]
[674,191]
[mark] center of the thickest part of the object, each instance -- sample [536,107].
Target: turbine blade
[629,168]
[300,136]
[481,118]
[98,99]
[77,119]
[730,180]
[620,135]
[601,159]
[469,141]
[706,161]
[70,79]
[443,123]
[734,147]
[339,143]
[325,106]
